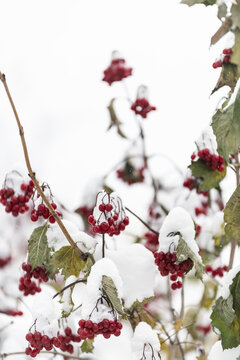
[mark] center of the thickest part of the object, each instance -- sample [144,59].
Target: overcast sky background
[53,54]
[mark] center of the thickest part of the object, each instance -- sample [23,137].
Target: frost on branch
[136,267]
[145,343]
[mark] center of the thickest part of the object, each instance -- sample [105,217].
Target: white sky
[53,53]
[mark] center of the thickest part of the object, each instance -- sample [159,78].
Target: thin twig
[182,301]
[232,252]
[32,174]
[4,355]
[68,286]
[142,221]
[103,245]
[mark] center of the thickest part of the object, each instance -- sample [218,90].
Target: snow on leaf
[110,290]
[184,252]
[38,250]
[67,260]
[211,179]
[87,346]
[231,216]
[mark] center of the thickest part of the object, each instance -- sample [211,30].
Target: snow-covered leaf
[38,250]
[87,346]
[110,290]
[67,260]
[231,215]
[184,252]
[211,179]
[194,2]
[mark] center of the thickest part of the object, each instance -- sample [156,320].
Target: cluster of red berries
[37,342]
[166,263]
[204,329]
[5,261]
[88,329]
[154,211]
[192,183]
[116,71]
[43,211]
[111,223]
[203,209]
[28,286]
[131,175]
[219,271]
[213,161]
[225,58]
[16,204]
[152,241]
[84,211]
[11,312]
[142,107]
[198,229]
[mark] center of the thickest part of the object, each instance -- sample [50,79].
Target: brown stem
[231,258]
[103,245]
[142,221]
[68,286]
[4,355]
[32,174]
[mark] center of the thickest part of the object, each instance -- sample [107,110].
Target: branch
[142,221]
[68,286]
[32,174]
[4,355]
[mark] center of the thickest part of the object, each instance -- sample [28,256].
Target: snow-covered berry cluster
[88,329]
[11,312]
[109,216]
[43,211]
[130,174]
[213,161]
[224,59]
[4,261]
[38,341]
[142,107]
[27,285]
[117,70]
[219,271]
[167,264]
[152,242]
[16,204]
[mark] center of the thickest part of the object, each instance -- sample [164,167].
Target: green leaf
[226,131]
[235,57]
[228,77]
[110,290]
[67,260]
[235,10]
[210,179]
[139,304]
[224,319]
[184,252]
[194,2]
[38,250]
[87,346]
[231,216]
[114,119]
[235,291]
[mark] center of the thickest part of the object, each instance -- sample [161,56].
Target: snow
[145,339]
[211,226]
[178,220]
[56,238]
[66,303]
[227,281]
[93,292]
[137,269]
[218,353]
